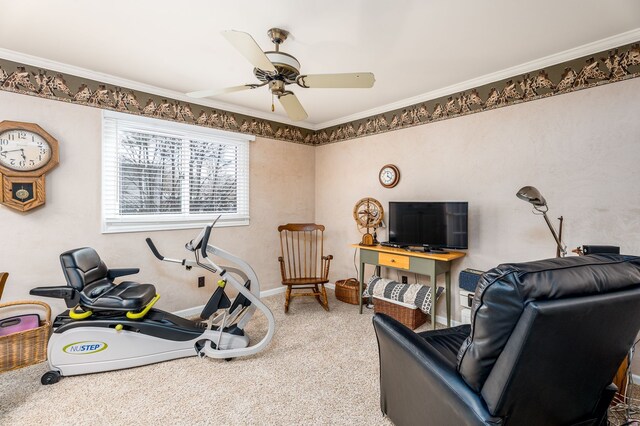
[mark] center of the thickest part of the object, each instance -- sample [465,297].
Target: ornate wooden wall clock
[27,152]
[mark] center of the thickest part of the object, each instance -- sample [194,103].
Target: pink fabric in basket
[19,323]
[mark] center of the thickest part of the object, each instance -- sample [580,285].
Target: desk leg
[447,280]
[434,288]
[433,281]
[360,283]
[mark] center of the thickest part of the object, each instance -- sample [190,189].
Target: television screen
[432,224]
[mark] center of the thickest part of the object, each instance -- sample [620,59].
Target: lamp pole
[561,251]
[561,219]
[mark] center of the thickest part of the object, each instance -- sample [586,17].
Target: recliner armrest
[115,273]
[417,387]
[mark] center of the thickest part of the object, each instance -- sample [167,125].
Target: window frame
[112,222]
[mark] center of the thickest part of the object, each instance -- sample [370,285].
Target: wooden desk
[430,264]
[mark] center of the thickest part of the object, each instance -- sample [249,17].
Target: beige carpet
[320,368]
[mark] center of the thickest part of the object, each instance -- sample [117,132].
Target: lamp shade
[532,195]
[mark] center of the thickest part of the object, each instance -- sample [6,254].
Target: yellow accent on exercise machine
[142,313]
[79,315]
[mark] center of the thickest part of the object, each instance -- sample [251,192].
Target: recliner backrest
[82,267]
[560,357]
[504,292]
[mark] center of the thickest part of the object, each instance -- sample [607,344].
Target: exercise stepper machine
[114,326]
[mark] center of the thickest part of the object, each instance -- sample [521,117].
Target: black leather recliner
[545,340]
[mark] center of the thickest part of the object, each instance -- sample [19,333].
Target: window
[162,175]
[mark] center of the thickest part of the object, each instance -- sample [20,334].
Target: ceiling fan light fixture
[277,87]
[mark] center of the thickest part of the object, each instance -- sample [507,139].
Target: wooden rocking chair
[303,264]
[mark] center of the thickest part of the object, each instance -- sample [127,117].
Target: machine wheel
[50,377]
[199,347]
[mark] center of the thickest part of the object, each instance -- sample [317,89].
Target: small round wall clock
[27,152]
[389,176]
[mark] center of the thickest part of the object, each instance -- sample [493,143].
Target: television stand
[429,264]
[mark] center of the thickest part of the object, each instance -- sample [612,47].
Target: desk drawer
[393,260]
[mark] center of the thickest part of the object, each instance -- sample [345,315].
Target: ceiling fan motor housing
[287,66]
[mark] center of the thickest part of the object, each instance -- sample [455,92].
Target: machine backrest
[302,250]
[82,267]
[568,348]
[505,292]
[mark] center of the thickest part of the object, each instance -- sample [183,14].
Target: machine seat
[127,296]
[93,281]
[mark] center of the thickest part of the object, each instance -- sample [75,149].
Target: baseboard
[272,291]
[635,378]
[191,312]
[443,321]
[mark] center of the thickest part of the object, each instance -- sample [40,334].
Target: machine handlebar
[205,241]
[157,254]
[153,248]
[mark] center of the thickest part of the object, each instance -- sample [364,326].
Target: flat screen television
[429,224]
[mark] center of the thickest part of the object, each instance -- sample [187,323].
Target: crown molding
[556,58]
[36,61]
[567,55]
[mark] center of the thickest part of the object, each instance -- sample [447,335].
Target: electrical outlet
[200,281]
[405,280]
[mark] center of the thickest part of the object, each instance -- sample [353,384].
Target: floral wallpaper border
[611,66]
[605,67]
[28,80]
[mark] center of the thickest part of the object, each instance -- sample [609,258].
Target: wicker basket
[347,290]
[27,347]
[412,318]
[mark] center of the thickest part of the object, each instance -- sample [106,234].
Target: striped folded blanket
[413,294]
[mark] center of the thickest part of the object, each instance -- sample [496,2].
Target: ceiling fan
[278,69]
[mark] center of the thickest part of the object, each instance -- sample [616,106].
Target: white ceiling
[415,48]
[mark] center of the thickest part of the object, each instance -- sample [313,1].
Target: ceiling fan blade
[292,106]
[247,46]
[360,80]
[216,92]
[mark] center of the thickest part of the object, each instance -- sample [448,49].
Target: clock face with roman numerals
[27,153]
[23,150]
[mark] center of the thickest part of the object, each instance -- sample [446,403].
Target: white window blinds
[163,175]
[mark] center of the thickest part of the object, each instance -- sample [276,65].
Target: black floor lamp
[533,196]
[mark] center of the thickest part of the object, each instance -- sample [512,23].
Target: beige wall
[581,150]
[281,190]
